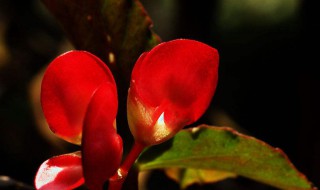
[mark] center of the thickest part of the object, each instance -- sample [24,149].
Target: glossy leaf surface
[67,87]
[60,172]
[171,86]
[117,31]
[224,149]
[101,145]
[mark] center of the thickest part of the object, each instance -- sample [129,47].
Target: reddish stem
[116,181]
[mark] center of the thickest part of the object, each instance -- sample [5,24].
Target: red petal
[67,87]
[171,86]
[60,172]
[101,145]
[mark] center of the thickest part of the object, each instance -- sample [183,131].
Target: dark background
[268,85]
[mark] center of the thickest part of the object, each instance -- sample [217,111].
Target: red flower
[171,87]
[79,99]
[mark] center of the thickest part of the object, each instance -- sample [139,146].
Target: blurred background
[269,85]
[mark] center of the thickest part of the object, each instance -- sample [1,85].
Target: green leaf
[117,31]
[224,149]
[188,176]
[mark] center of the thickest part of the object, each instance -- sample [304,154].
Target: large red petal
[101,145]
[67,87]
[60,172]
[171,86]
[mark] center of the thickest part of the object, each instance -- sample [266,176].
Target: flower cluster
[171,87]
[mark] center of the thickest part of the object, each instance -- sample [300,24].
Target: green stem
[116,181]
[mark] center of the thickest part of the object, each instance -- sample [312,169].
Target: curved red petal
[60,172]
[171,86]
[101,145]
[67,87]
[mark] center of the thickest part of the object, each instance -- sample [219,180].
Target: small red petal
[67,87]
[101,145]
[174,84]
[60,172]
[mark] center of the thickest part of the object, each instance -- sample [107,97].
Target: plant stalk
[117,180]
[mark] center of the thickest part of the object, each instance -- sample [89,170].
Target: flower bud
[60,172]
[171,87]
[101,145]
[66,90]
